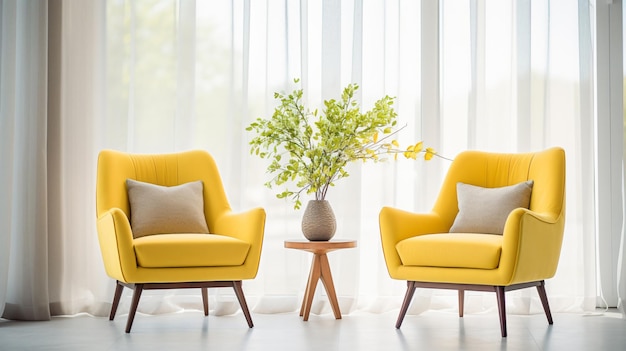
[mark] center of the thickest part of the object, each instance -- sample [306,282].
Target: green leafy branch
[312,149]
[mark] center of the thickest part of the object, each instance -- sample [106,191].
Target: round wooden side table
[320,270]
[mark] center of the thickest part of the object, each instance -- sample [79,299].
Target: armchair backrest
[546,168]
[115,167]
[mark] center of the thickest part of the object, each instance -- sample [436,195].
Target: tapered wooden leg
[461,302]
[306,290]
[541,289]
[133,306]
[410,290]
[327,280]
[205,301]
[116,299]
[314,276]
[242,302]
[501,309]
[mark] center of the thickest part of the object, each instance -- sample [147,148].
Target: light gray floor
[433,330]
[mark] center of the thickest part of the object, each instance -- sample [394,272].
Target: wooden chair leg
[461,302]
[410,290]
[133,306]
[541,289]
[242,302]
[501,309]
[116,299]
[205,300]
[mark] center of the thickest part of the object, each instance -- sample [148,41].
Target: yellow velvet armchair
[225,251]
[422,249]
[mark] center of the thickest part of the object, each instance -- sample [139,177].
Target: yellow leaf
[395,157]
[430,152]
[395,143]
[376,137]
[387,130]
[419,146]
[369,151]
[410,148]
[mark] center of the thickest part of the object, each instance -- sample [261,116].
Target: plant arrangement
[310,149]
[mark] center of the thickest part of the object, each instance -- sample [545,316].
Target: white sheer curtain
[76,87]
[499,76]
[609,90]
[169,75]
[23,178]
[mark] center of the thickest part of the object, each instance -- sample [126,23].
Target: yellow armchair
[229,253]
[420,249]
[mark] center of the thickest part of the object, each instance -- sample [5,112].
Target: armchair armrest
[397,225]
[248,226]
[116,244]
[531,245]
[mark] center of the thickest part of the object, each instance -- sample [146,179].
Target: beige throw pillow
[485,210]
[156,209]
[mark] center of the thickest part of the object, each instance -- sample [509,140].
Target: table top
[319,246]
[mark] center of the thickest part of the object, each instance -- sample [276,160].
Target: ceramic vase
[318,221]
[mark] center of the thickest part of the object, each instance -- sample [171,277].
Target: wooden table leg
[320,270]
[314,276]
[306,290]
[327,280]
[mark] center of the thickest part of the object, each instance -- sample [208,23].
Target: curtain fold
[23,180]
[169,75]
[621,261]
[77,282]
[586,130]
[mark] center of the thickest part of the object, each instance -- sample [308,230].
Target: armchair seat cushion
[189,250]
[454,250]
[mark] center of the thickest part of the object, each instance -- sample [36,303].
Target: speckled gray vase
[318,221]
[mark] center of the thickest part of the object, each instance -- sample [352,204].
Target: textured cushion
[485,210]
[189,250]
[452,250]
[156,209]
